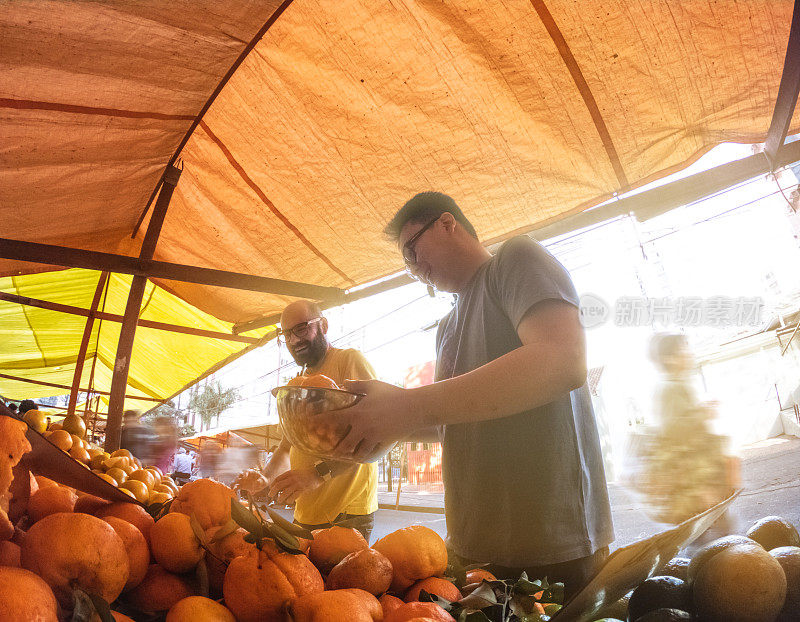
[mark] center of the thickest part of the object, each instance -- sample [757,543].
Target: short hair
[663,345]
[12,407]
[424,207]
[26,405]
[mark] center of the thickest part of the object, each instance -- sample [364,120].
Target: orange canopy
[525,111]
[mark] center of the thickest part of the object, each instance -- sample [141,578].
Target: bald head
[305,333]
[304,309]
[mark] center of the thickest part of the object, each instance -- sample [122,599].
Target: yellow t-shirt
[355,491]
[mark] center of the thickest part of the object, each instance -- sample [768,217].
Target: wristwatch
[324,470]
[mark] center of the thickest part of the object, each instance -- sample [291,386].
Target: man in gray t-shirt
[523,472]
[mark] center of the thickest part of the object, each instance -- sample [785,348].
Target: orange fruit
[476,575]
[114,463]
[25,596]
[389,603]
[350,604]
[118,474]
[141,475]
[136,515]
[165,489]
[121,453]
[54,426]
[128,469]
[210,502]
[416,552]
[199,609]
[77,441]
[174,545]
[74,425]
[107,478]
[257,585]
[127,492]
[80,454]
[44,482]
[332,545]
[76,549]
[743,582]
[319,381]
[159,590]
[366,569]
[36,419]
[158,497]
[153,467]
[433,585]
[140,491]
[89,504]
[96,461]
[50,500]
[20,491]
[61,439]
[223,551]
[417,610]
[9,553]
[135,547]
[156,475]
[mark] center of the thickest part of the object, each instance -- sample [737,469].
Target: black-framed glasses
[409,252]
[298,330]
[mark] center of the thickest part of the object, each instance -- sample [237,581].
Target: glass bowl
[297,407]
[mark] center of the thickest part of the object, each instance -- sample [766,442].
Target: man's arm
[550,363]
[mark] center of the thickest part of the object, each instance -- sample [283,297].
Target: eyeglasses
[409,253]
[298,330]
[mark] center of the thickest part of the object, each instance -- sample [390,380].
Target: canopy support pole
[787,92]
[87,334]
[130,319]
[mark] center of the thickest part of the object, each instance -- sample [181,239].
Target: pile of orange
[121,469]
[118,551]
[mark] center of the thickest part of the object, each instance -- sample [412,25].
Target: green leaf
[285,540]
[473,616]
[292,528]
[197,529]
[245,518]
[456,570]
[201,573]
[552,609]
[87,604]
[102,607]
[482,596]
[83,608]
[223,532]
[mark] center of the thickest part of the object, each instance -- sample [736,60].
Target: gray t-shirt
[528,489]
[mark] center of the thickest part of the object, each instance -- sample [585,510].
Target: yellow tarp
[43,345]
[524,110]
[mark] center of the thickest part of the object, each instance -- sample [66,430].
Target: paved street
[771,482]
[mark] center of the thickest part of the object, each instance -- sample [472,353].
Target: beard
[311,352]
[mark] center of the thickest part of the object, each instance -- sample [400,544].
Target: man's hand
[251,481]
[384,416]
[291,484]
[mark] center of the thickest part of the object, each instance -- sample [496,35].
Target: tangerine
[352,605]
[332,545]
[174,544]
[50,500]
[366,569]
[208,500]
[415,552]
[136,549]
[136,515]
[36,419]
[159,590]
[433,585]
[199,609]
[25,596]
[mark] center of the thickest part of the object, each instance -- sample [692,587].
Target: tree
[169,410]
[211,401]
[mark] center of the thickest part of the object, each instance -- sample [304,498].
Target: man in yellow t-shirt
[324,492]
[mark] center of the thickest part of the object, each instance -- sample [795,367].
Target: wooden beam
[656,201]
[67,387]
[787,91]
[95,260]
[113,317]
[87,333]
[127,333]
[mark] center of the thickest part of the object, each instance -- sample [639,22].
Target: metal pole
[130,319]
[87,334]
